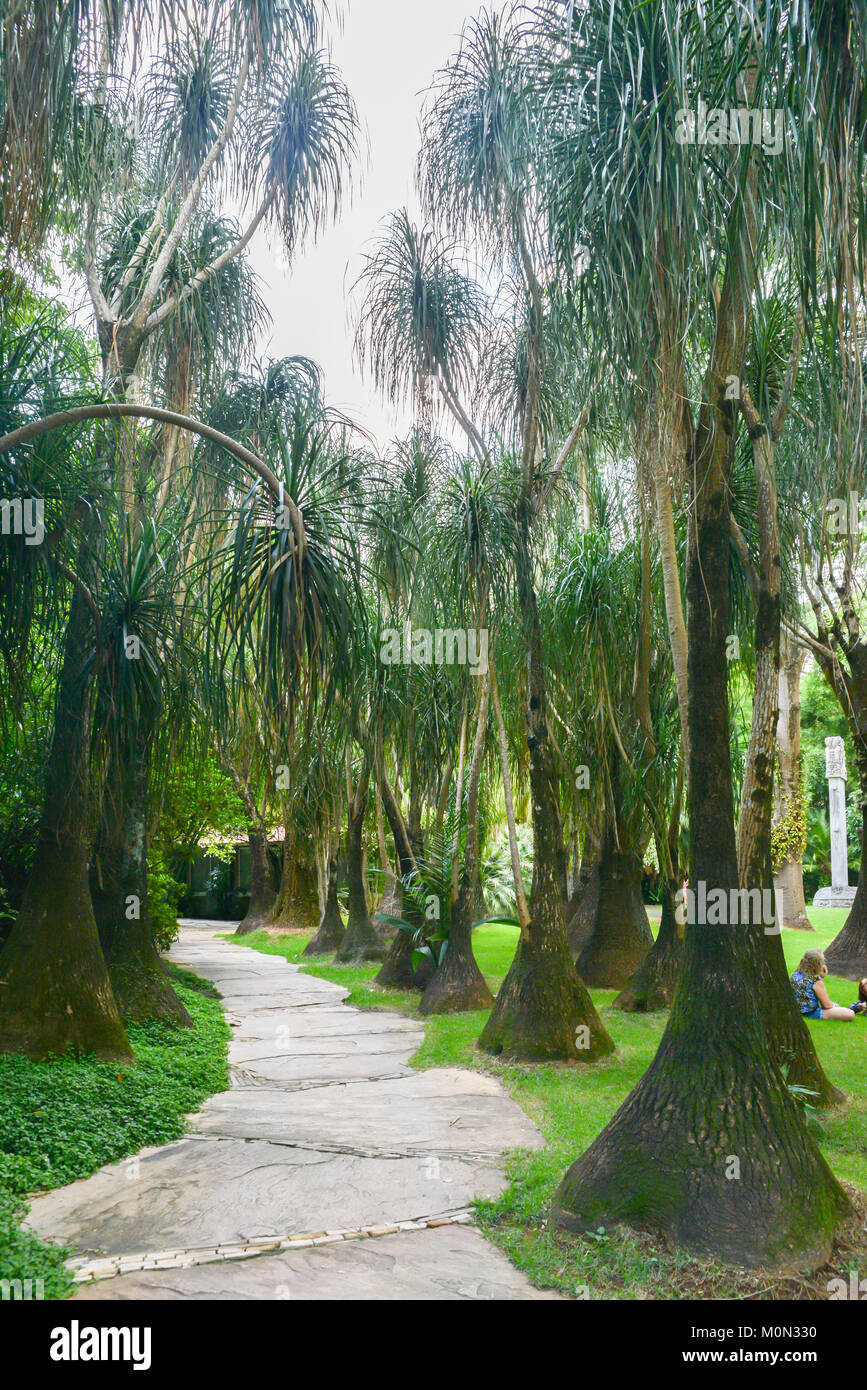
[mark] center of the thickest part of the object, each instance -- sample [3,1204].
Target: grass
[62,1119]
[571,1105]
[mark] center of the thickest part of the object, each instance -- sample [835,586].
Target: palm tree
[290,148]
[674,232]
[475,172]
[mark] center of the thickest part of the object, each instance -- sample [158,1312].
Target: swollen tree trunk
[260,908]
[360,942]
[295,908]
[652,986]
[847,953]
[543,1010]
[710,1147]
[329,935]
[458,984]
[141,986]
[620,936]
[790,1041]
[789,878]
[55,992]
[263,899]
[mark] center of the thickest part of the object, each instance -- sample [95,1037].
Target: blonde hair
[812,964]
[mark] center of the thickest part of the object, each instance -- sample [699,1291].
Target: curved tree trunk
[55,992]
[360,942]
[543,1010]
[620,936]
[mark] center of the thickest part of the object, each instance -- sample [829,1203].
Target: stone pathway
[329,1170]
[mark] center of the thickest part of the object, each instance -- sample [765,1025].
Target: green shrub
[164,894]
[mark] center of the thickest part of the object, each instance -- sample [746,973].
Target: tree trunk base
[398,971]
[579,926]
[258,921]
[55,992]
[329,935]
[144,992]
[360,944]
[789,883]
[620,938]
[847,953]
[457,985]
[651,988]
[543,1012]
[710,1149]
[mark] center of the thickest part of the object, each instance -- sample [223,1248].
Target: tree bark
[360,942]
[543,1010]
[397,970]
[847,953]
[55,991]
[789,879]
[651,988]
[329,935]
[711,1147]
[458,984]
[295,908]
[263,900]
[141,986]
[620,936]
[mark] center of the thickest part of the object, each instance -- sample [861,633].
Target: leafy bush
[62,1119]
[164,894]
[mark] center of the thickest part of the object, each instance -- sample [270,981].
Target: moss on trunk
[55,992]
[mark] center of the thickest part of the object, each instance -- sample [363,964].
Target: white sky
[388,51]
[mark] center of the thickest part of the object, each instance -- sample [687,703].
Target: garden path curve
[329,1170]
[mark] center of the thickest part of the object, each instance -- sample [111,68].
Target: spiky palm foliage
[421,319]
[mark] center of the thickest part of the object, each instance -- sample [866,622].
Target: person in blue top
[810,992]
[860,1005]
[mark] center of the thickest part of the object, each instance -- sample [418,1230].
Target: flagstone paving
[330,1170]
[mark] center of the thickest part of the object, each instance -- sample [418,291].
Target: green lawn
[572,1104]
[62,1119]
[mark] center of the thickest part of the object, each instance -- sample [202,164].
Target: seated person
[810,992]
[860,1005]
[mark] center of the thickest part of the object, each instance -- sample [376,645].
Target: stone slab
[201,1192]
[449,1263]
[444,1109]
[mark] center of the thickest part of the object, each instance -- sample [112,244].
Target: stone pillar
[839,894]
